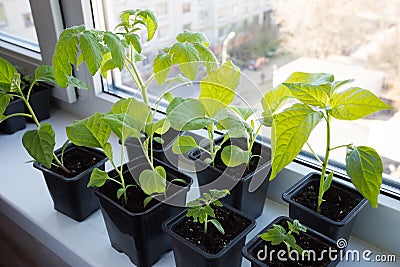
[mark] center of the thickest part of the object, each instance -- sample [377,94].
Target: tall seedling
[317,97]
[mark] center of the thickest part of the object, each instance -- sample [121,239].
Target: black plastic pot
[248,193]
[40,101]
[71,195]
[318,222]
[13,124]
[139,235]
[257,248]
[187,254]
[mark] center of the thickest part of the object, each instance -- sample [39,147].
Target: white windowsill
[24,198]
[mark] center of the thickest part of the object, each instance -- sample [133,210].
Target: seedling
[316,97]
[201,209]
[213,111]
[39,143]
[278,234]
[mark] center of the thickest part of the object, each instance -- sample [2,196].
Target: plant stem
[210,129]
[315,154]
[336,147]
[205,224]
[325,163]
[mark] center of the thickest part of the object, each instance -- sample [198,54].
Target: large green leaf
[132,107]
[355,103]
[187,114]
[310,78]
[116,48]
[233,156]
[217,90]
[97,178]
[91,47]
[65,54]
[364,167]
[193,37]
[187,58]
[153,181]
[162,64]
[183,144]
[40,144]
[243,112]
[7,72]
[44,73]
[207,56]
[4,101]
[150,21]
[311,94]
[133,39]
[290,130]
[92,131]
[124,126]
[272,101]
[71,80]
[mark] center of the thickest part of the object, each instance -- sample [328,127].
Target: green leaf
[310,78]
[217,90]
[150,21]
[183,144]
[217,225]
[45,73]
[327,182]
[187,114]
[134,40]
[132,107]
[65,54]
[97,178]
[117,50]
[153,181]
[40,144]
[187,58]
[75,82]
[107,148]
[160,126]
[162,64]
[244,112]
[180,79]
[336,85]
[272,101]
[355,103]
[159,140]
[147,200]
[4,101]
[7,72]
[364,167]
[123,126]
[120,192]
[92,131]
[275,235]
[290,130]
[311,94]
[209,59]
[91,47]
[16,83]
[218,194]
[233,156]
[193,37]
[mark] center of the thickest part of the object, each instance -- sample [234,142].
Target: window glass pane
[350,39]
[16,23]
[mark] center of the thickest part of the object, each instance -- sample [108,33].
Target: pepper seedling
[315,97]
[278,234]
[201,209]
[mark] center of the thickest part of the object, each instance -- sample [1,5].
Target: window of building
[234,10]
[186,8]
[162,9]
[202,16]
[221,14]
[28,20]
[163,32]
[187,26]
[3,19]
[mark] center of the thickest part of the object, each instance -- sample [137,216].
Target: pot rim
[286,196]
[167,228]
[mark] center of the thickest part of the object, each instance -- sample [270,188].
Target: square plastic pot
[187,254]
[250,250]
[71,196]
[247,194]
[316,221]
[11,125]
[139,235]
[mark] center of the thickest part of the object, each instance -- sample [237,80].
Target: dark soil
[77,160]
[213,241]
[135,194]
[241,169]
[337,205]
[305,240]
